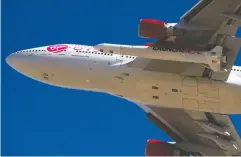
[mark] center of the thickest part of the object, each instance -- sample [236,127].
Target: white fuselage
[86,68]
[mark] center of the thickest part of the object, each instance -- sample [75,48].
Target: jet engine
[160,148]
[150,28]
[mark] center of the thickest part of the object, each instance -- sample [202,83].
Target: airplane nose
[18,60]
[28,63]
[10,60]
[13,60]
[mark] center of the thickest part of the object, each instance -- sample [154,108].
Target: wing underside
[184,127]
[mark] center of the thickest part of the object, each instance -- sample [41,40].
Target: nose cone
[19,61]
[10,60]
[15,60]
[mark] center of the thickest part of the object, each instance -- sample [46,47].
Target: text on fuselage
[175,50]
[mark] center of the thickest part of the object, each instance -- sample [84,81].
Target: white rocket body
[211,58]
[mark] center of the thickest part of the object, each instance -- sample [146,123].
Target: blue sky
[38,119]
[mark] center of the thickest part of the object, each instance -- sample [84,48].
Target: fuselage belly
[137,85]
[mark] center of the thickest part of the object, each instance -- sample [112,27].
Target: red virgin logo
[57,48]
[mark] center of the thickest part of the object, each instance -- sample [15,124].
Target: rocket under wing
[213,59]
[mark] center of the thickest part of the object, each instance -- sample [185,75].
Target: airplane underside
[185,81]
[137,85]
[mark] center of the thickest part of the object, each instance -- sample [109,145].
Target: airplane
[200,96]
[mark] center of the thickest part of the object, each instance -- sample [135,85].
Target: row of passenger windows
[36,50]
[109,54]
[94,52]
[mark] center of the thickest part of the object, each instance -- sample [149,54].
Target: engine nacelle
[160,148]
[150,28]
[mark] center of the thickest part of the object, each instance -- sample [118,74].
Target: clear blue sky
[38,119]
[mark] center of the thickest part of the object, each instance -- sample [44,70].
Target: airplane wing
[211,18]
[195,131]
[208,23]
[216,23]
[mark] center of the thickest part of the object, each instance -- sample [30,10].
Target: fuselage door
[119,56]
